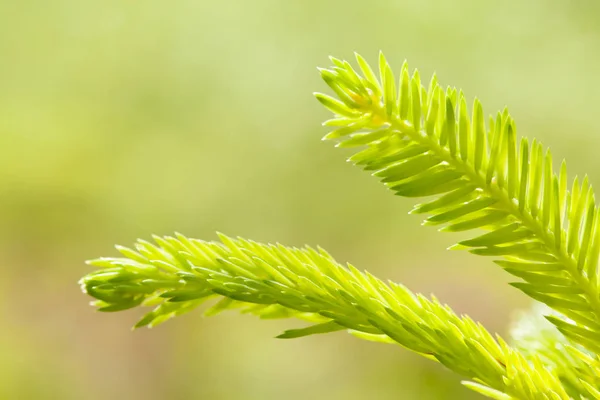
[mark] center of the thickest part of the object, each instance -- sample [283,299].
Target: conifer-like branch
[423,142]
[420,143]
[278,281]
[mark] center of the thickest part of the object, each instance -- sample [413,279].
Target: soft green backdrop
[119,119]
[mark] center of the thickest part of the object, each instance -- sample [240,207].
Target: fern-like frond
[428,142]
[180,273]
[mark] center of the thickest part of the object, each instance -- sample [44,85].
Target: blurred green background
[120,119]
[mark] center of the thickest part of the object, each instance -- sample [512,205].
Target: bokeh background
[120,119]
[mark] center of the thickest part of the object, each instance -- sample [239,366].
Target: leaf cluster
[477,175]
